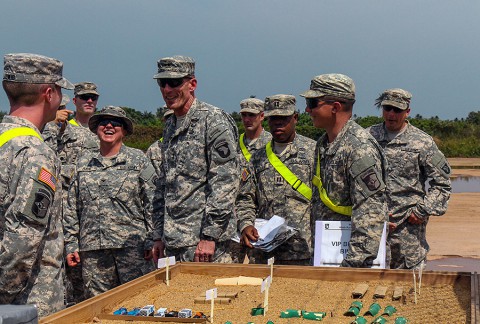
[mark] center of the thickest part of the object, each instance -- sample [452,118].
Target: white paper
[271,261]
[212,293]
[266,283]
[331,244]
[162,263]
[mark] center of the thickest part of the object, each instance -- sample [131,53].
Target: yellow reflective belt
[73,122]
[317,181]
[161,139]
[288,175]
[18,131]
[245,152]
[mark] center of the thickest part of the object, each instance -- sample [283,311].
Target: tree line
[455,138]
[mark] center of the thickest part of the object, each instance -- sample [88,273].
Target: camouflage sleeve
[147,180]
[437,169]
[158,206]
[70,217]
[222,177]
[369,208]
[245,204]
[26,222]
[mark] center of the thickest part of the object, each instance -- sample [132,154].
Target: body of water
[462,184]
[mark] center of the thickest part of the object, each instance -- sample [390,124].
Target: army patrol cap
[110,112]
[280,105]
[175,67]
[34,68]
[331,85]
[84,88]
[65,100]
[394,97]
[252,105]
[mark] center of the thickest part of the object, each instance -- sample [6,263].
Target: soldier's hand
[413,219]
[147,254]
[62,115]
[391,226]
[73,259]
[249,234]
[158,251]
[204,252]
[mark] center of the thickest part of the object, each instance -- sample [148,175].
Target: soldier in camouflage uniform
[154,152]
[109,214]
[68,139]
[194,213]
[413,159]
[85,101]
[349,182]
[254,139]
[266,190]
[31,238]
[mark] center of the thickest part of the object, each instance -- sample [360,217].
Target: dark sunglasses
[173,83]
[313,102]
[395,109]
[113,122]
[88,96]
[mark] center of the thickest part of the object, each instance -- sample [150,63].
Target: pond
[465,184]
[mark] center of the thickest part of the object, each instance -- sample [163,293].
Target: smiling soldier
[108,219]
[199,174]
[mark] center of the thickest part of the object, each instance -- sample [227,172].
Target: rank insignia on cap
[47,178]
[245,174]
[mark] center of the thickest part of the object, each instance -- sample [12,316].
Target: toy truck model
[185,313]
[161,312]
[147,310]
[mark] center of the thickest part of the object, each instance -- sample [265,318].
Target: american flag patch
[47,178]
[245,174]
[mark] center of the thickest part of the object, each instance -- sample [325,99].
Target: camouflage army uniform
[264,193]
[30,222]
[110,210]
[255,145]
[198,182]
[68,145]
[352,172]
[413,158]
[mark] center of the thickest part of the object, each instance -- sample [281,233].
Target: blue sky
[243,48]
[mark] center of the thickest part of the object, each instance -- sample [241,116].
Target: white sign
[271,261]
[266,283]
[332,240]
[163,262]
[212,293]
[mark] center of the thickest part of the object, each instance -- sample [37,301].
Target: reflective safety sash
[73,122]
[245,152]
[18,131]
[317,181]
[288,175]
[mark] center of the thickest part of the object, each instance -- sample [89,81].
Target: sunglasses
[173,83]
[395,109]
[313,102]
[88,96]
[113,122]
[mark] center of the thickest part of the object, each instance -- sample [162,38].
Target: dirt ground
[455,234]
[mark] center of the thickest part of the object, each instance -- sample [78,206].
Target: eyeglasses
[173,83]
[312,103]
[88,96]
[113,122]
[395,109]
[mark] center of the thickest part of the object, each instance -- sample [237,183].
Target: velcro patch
[41,203]
[47,178]
[371,180]
[223,149]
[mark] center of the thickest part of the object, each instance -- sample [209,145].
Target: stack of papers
[272,233]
